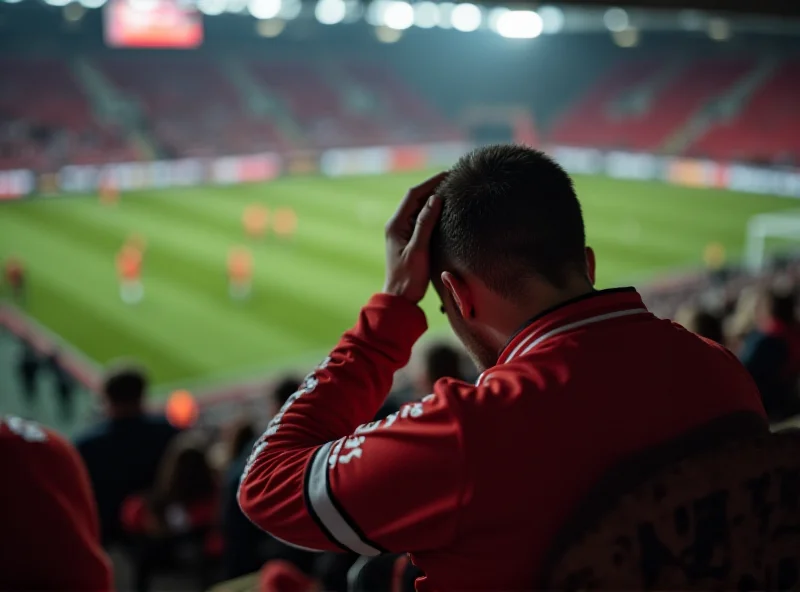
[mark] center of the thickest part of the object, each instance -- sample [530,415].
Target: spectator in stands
[64,384]
[771,353]
[181,510]
[742,320]
[123,452]
[244,543]
[701,322]
[51,538]
[28,366]
[183,498]
[574,381]
[440,360]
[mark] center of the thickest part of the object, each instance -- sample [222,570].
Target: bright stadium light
[211,7]
[466,17]
[520,24]
[398,15]
[446,15]
[616,19]
[387,34]
[426,14]
[376,12]
[264,9]
[552,19]
[90,3]
[330,12]
[13,1]
[494,17]
[290,9]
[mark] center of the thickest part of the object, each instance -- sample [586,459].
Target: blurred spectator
[179,514]
[244,543]
[123,452]
[701,322]
[28,366]
[440,360]
[50,528]
[64,384]
[743,319]
[771,353]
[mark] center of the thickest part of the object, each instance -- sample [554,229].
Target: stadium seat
[765,129]
[717,509]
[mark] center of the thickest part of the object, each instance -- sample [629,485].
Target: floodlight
[264,9]
[552,19]
[616,19]
[426,14]
[330,12]
[466,17]
[519,24]
[398,15]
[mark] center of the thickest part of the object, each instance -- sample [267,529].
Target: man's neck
[542,298]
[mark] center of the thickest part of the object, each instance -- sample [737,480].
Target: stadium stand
[596,122]
[187,100]
[765,130]
[40,128]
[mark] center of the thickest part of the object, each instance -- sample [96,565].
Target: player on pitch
[240,273]
[129,269]
[254,220]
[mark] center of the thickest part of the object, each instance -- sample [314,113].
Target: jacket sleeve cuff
[394,318]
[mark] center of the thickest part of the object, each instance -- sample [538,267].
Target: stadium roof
[773,7]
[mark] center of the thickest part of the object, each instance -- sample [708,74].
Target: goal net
[784,226]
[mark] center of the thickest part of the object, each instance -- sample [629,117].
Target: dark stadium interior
[186,232]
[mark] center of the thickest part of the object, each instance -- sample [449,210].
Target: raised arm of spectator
[322,478]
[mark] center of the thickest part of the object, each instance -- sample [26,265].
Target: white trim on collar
[529,342]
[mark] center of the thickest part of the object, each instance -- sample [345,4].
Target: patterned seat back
[726,518]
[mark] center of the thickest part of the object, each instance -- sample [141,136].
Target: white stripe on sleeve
[323,506]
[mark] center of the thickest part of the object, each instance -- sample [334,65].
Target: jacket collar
[596,306]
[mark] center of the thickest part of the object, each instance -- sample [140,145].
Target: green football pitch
[307,290]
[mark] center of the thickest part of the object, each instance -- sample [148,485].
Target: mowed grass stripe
[194,256]
[206,338]
[108,315]
[320,236]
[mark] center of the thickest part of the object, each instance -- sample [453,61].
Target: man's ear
[590,264]
[459,292]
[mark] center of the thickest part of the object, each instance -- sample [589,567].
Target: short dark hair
[509,212]
[442,361]
[285,388]
[125,384]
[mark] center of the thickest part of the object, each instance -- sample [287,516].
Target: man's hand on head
[408,234]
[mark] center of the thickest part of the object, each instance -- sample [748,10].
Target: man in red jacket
[50,537]
[475,480]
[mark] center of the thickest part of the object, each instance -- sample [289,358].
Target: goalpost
[785,225]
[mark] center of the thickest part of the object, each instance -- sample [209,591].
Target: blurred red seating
[766,128]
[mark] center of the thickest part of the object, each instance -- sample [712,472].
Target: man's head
[510,242]
[124,388]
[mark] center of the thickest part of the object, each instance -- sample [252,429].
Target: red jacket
[50,534]
[475,480]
